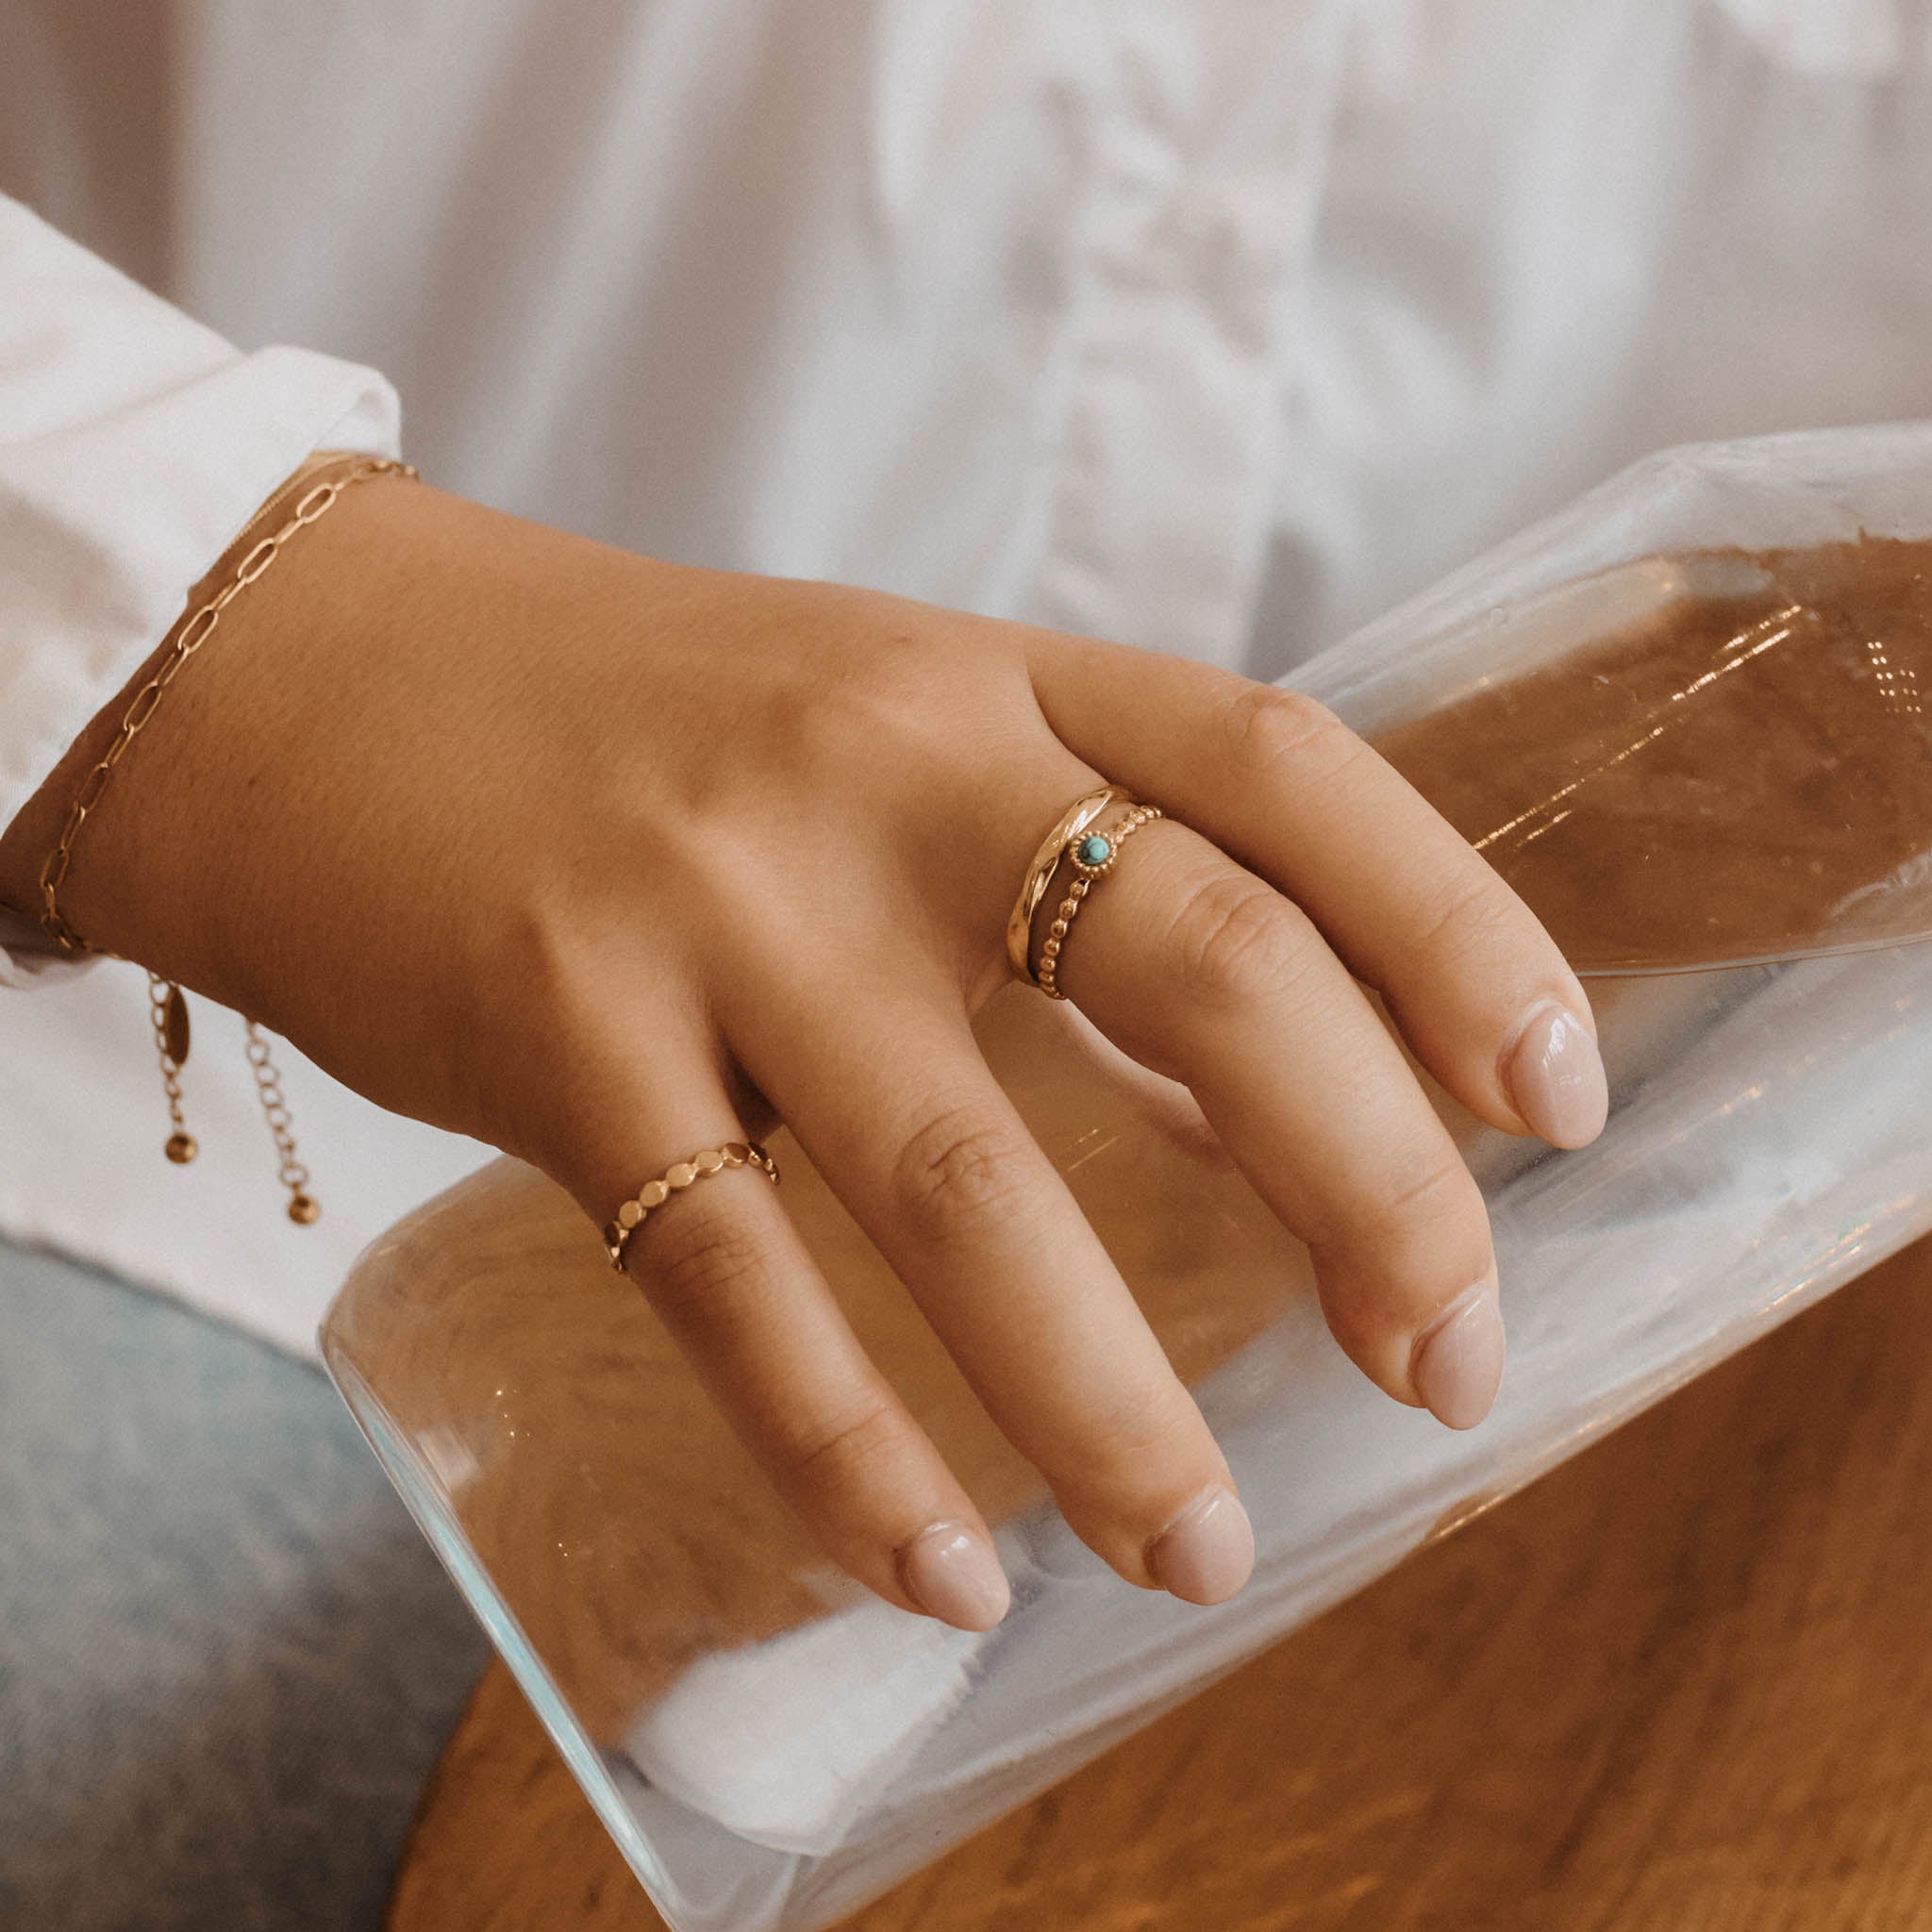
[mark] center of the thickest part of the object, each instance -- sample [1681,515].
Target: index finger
[1477,986]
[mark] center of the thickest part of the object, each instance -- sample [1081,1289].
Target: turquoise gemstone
[1095,850]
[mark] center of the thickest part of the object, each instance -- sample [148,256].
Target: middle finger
[1203,972]
[908,1125]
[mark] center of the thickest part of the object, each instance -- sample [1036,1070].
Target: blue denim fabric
[228,1662]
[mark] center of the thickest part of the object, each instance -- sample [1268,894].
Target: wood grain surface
[1683,1682]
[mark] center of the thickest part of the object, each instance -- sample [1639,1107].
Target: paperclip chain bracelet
[167,1004]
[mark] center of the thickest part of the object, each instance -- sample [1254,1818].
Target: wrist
[89,903]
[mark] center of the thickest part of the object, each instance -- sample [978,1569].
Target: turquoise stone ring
[1091,858]
[1075,846]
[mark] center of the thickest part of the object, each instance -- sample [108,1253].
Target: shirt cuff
[135,447]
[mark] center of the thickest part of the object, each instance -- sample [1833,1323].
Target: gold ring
[1091,858]
[1046,862]
[673,1180]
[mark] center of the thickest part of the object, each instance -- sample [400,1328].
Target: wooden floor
[1683,1684]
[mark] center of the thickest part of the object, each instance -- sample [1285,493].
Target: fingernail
[1555,1078]
[1207,1552]
[954,1575]
[1457,1364]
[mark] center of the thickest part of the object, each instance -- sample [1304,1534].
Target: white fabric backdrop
[1217,326]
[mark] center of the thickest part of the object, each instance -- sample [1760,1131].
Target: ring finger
[726,1270]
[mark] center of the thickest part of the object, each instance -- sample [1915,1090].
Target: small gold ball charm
[304,1209]
[182,1148]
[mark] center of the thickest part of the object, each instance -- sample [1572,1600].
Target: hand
[605,861]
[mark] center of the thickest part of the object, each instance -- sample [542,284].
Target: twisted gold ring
[673,1180]
[1077,841]
[1046,862]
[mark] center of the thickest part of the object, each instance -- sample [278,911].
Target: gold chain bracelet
[167,1004]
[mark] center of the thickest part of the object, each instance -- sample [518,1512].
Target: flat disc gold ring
[673,1180]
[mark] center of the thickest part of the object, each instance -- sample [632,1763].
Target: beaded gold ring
[1091,858]
[1046,863]
[673,1180]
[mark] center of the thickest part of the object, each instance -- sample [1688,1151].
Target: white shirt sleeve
[134,446]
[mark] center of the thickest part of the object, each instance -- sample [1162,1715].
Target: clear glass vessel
[1692,720]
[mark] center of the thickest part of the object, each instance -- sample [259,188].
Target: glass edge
[467,1571]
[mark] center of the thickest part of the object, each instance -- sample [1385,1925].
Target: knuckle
[1436,1193]
[834,1452]
[1143,1438]
[1472,914]
[960,1168]
[1268,727]
[1235,939]
[1422,1210]
[700,1264]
